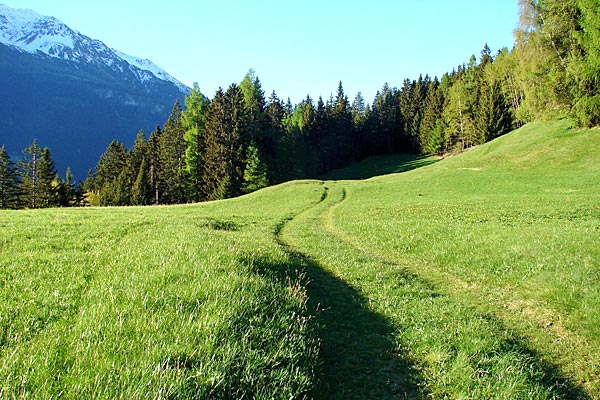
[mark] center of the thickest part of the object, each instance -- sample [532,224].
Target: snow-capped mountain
[73,93]
[28,31]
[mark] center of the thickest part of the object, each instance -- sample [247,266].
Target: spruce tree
[429,133]
[47,181]
[385,124]
[28,168]
[154,165]
[254,100]
[67,191]
[226,144]
[110,177]
[194,124]
[274,114]
[9,181]
[172,148]
[255,174]
[141,190]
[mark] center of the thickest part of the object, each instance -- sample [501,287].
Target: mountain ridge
[73,93]
[31,32]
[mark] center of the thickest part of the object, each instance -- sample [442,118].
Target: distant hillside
[73,93]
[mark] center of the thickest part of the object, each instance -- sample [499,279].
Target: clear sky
[295,47]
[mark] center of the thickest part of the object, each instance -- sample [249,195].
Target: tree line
[241,141]
[33,182]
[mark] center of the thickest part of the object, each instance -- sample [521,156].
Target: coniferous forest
[241,140]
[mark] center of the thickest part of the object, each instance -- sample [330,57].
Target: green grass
[153,302]
[380,165]
[474,277]
[510,230]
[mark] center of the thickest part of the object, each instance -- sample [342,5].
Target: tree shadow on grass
[357,355]
[380,165]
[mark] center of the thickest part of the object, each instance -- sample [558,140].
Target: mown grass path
[388,332]
[358,359]
[474,278]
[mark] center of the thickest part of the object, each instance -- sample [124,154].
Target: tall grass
[474,277]
[510,229]
[153,302]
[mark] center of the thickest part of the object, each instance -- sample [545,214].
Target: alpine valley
[73,93]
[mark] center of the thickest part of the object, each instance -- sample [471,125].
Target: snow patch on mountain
[28,31]
[147,65]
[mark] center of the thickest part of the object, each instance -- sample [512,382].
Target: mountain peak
[30,32]
[73,93]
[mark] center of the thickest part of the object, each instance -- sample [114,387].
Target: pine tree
[193,120]
[67,191]
[172,148]
[255,174]
[274,114]
[345,151]
[141,191]
[29,175]
[226,144]
[109,182]
[254,100]
[430,136]
[9,181]
[360,114]
[458,119]
[47,181]
[385,124]
[358,110]
[493,116]
[154,165]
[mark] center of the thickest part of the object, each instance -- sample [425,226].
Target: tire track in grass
[358,357]
[538,378]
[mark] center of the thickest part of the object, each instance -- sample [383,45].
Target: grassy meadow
[475,277]
[154,302]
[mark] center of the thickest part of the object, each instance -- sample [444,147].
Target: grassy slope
[154,302]
[506,240]
[476,277]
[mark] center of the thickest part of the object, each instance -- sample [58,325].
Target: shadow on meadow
[357,355]
[380,165]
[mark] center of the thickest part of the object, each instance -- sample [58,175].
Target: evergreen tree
[172,147]
[141,191]
[226,144]
[493,116]
[9,181]
[109,183]
[385,125]
[47,181]
[194,124]
[255,174]
[254,100]
[67,191]
[154,165]
[358,110]
[274,131]
[430,134]
[343,132]
[29,175]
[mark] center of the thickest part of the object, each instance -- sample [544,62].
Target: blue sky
[296,48]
